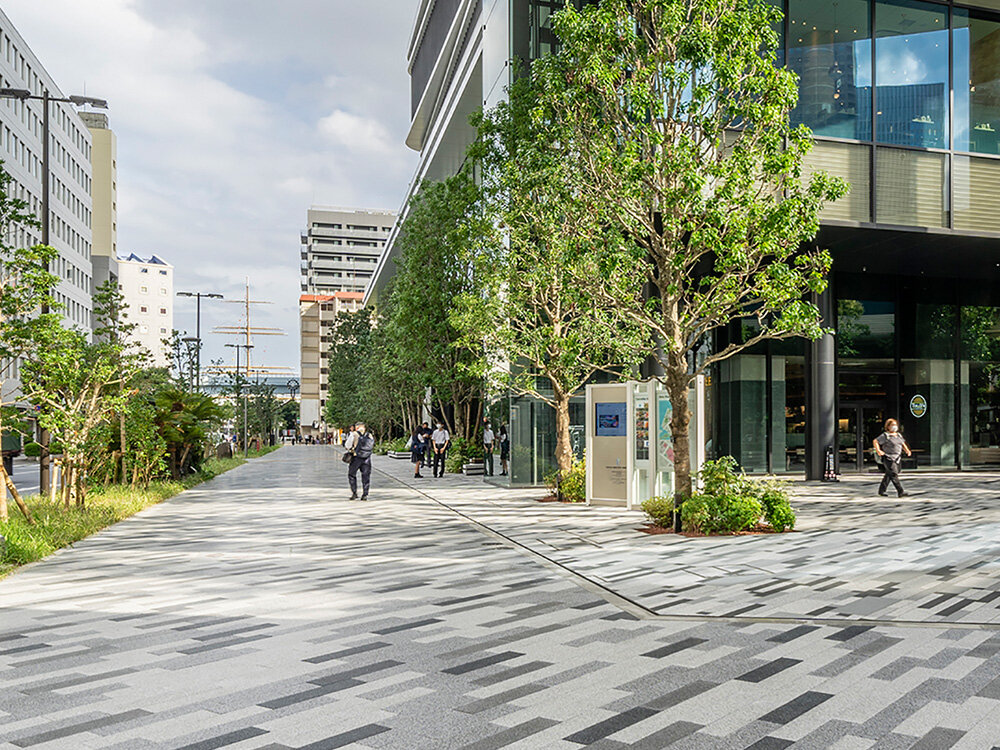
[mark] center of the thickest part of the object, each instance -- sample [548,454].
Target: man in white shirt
[488,438]
[440,440]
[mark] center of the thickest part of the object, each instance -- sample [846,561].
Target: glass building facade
[903,98]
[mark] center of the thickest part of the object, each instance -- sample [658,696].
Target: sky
[232,118]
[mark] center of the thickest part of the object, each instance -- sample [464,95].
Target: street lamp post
[293,388]
[239,382]
[197,332]
[46,98]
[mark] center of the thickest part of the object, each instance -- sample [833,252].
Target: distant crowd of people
[429,448]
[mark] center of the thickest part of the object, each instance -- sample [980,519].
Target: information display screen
[610,419]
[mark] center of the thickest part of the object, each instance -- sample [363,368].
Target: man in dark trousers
[890,446]
[440,440]
[362,444]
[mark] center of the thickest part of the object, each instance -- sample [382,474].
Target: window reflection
[830,49]
[911,73]
[977,83]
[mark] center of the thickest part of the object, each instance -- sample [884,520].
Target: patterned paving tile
[263,610]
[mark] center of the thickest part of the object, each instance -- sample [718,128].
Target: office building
[316,315]
[903,98]
[69,163]
[147,285]
[104,195]
[341,248]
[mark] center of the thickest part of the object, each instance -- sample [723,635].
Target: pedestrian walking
[426,431]
[440,440]
[889,447]
[488,438]
[360,444]
[504,449]
[417,449]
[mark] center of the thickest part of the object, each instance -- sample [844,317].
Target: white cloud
[232,117]
[356,133]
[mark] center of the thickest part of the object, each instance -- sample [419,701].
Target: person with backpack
[889,447]
[360,445]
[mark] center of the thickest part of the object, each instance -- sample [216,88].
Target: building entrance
[858,425]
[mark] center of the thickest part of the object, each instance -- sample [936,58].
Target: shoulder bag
[349,454]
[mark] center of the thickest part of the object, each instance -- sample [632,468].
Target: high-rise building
[147,285]
[316,315]
[341,248]
[903,99]
[69,164]
[104,194]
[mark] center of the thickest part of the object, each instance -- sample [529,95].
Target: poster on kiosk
[630,454]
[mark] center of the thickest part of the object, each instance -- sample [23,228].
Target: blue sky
[232,117]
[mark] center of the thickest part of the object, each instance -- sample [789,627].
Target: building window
[163,273]
[163,292]
[911,63]
[163,311]
[143,309]
[144,289]
[143,270]
[832,55]
[976,81]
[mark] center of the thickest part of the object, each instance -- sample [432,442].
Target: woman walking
[890,446]
[417,447]
[504,449]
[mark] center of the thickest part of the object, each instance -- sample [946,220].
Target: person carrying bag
[360,446]
[889,447]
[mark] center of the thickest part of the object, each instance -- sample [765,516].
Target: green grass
[56,527]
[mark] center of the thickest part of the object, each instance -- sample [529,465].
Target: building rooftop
[152,260]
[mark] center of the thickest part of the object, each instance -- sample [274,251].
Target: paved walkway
[264,610]
[933,557]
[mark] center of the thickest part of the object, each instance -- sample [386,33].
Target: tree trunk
[67,483]
[8,484]
[677,390]
[121,429]
[564,448]
[4,513]
[81,489]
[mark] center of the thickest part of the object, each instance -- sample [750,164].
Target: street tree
[540,328]
[443,221]
[26,288]
[678,116]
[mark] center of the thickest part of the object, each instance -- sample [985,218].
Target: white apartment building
[148,287]
[70,207]
[341,248]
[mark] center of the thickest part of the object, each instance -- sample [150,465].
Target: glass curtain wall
[979,370]
[877,82]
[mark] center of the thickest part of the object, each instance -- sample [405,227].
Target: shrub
[777,509]
[660,511]
[34,450]
[572,487]
[729,502]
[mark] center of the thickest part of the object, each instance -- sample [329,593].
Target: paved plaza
[264,610]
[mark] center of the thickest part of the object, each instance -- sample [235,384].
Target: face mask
[894,429]
[439,427]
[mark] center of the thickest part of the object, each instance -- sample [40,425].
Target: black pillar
[821,406]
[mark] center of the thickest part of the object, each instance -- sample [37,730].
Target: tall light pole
[45,98]
[197,332]
[239,382]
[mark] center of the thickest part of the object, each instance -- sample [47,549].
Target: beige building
[148,287]
[104,194]
[316,314]
[341,248]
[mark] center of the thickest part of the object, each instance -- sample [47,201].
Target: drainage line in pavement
[642,612]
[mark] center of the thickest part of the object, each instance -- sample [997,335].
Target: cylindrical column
[821,408]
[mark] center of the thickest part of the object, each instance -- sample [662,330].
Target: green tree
[678,119]
[443,221]
[347,367]
[26,288]
[185,420]
[533,315]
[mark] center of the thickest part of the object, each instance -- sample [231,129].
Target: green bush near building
[728,502]
[572,487]
[32,450]
[659,509]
